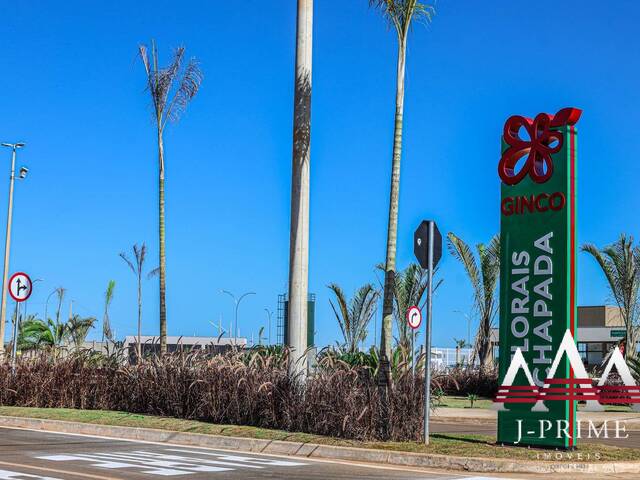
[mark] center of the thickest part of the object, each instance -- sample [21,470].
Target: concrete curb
[327,452]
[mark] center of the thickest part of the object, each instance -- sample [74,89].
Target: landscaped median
[475,453]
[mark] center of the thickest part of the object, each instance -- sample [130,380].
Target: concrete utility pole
[7,245]
[299,236]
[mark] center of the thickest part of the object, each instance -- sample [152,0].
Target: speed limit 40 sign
[20,286]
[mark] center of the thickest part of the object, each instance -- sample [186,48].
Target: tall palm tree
[620,263]
[137,266]
[400,14]
[106,324]
[483,275]
[299,227]
[171,88]
[354,315]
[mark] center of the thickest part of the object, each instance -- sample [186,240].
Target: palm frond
[171,87]
[461,251]
[401,13]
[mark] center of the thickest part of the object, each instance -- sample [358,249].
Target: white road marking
[373,466]
[238,458]
[9,475]
[168,464]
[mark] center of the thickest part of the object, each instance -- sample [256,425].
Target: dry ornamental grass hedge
[237,388]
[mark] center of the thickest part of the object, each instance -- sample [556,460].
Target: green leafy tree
[483,274]
[171,89]
[400,14]
[78,328]
[35,333]
[354,315]
[620,263]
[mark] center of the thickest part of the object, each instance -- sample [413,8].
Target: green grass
[453,401]
[442,444]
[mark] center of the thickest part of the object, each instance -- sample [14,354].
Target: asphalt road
[35,455]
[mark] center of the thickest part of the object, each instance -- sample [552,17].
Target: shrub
[236,388]
[470,380]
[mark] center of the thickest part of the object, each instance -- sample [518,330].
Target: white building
[151,344]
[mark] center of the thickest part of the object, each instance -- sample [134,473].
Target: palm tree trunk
[632,332]
[161,234]
[299,233]
[139,345]
[392,228]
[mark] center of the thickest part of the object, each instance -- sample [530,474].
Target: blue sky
[73,89]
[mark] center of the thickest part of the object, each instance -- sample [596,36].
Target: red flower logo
[543,142]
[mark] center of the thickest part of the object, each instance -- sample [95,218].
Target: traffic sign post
[414,317]
[427,247]
[414,320]
[20,287]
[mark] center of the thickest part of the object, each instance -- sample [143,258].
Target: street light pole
[468,325]
[269,313]
[7,245]
[46,304]
[237,302]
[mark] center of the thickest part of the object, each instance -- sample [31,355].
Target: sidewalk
[483,416]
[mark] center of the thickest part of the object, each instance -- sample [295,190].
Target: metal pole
[427,362]
[13,323]
[7,249]
[15,339]
[46,305]
[235,329]
[269,313]
[237,306]
[413,353]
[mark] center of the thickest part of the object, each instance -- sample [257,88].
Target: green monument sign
[538,276]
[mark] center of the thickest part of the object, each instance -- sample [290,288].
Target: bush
[470,380]
[237,388]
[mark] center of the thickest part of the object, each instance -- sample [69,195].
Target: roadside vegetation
[254,388]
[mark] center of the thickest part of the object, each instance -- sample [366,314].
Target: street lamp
[237,302]
[269,313]
[46,304]
[468,325]
[7,246]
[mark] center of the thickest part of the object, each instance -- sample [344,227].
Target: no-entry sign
[414,317]
[20,286]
